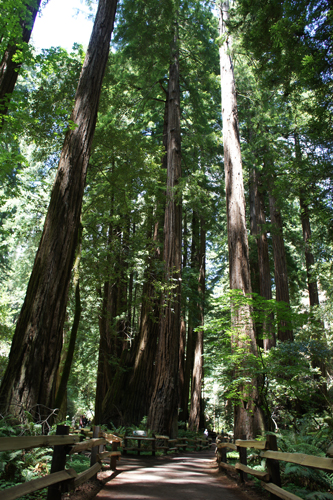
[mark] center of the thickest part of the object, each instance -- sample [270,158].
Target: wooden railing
[164,444]
[270,479]
[60,479]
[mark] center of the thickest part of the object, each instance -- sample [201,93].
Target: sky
[58,25]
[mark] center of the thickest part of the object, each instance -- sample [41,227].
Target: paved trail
[187,477]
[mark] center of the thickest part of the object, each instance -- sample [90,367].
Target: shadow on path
[186,477]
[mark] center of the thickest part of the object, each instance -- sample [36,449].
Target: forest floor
[190,476]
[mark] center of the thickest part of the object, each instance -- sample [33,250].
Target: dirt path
[192,476]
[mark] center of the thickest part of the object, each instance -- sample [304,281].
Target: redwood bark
[309,257]
[195,418]
[34,356]
[183,399]
[193,322]
[258,223]
[128,398]
[312,282]
[163,412]
[61,390]
[247,418]
[9,69]
[280,267]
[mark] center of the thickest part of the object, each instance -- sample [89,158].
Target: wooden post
[113,460]
[94,450]
[139,445]
[243,460]
[153,447]
[223,452]
[58,463]
[273,466]
[125,446]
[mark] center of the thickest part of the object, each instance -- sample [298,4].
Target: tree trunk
[61,391]
[258,222]
[280,267]
[128,398]
[182,342]
[34,357]
[163,412]
[9,69]
[197,376]
[248,418]
[312,282]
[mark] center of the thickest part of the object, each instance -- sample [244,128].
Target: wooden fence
[60,479]
[270,479]
[163,443]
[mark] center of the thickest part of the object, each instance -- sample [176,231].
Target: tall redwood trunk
[163,412]
[183,399]
[317,362]
[60,400]
[196,416]
[128,398]
[280,267]
[258,222]
[9,68]
[247,418]
[29,379]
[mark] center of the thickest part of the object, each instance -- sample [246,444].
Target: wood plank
[37,484]
[25,442]
[229,467]
[87,445]
[300,459]
[87,474]
[111,438]
[279,492]
[263,475]
[226,445]
[258,445]
[107,454]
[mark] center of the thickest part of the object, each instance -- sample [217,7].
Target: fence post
[113,460]
[58,463]
[94,450]
[273,466]
[243,460]
[223,451]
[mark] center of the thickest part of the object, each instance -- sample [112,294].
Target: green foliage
[20,466]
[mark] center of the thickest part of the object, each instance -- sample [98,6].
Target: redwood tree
[9,66]
[247,416]
[30,376]
[163,412]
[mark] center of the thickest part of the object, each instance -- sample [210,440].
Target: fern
[318,495]
[312,479]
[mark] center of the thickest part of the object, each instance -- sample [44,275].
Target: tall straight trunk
[36,347]
[309,257]
[61,390]
[280,267]
[195,418]
[306,227]
[163,412]
[128,398]
[113,321]
[317,362]
[247,418]
[193,321]
[253,250]
[182,341]
[9,68]
[258,222]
